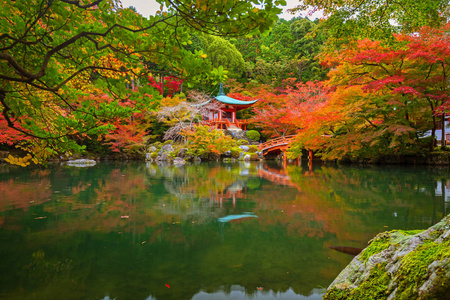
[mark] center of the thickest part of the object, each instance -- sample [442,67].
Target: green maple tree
[52,53]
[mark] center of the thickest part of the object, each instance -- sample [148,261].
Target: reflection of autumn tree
[21,194]
[343,199]
[121,197]
[171,235]
[205,180]
[352,204]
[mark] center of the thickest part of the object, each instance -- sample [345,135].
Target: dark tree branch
[78,4]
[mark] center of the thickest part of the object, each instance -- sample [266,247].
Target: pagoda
[225,117]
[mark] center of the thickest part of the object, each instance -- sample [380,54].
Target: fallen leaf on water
[144,242]
[38,218]
[124,217]
[168,286]
[260,288]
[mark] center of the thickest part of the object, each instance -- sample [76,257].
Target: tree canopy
[55,53]
[356,19]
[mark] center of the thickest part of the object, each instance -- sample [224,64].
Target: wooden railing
[225,123]
[278,142]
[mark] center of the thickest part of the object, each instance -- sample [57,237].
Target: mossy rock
[235,152]
[399,265]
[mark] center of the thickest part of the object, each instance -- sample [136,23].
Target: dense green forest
[369,79]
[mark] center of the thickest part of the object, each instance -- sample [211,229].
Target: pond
[200,231]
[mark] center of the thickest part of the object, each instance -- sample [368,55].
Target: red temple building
[225,118]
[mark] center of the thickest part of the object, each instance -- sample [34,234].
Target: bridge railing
[276,142]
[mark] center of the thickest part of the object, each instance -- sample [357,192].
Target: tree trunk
[443,130]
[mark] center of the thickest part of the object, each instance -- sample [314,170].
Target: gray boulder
[166,148]
[178,161]
[81,163]
[182,152]
[163,154]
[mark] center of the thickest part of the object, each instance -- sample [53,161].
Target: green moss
[337,294]
[385,240]
[375,287]
[411,232]
[375,247]
[414,268]
[379,243]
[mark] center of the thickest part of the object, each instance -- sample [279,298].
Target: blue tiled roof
[221,97]
[229,100]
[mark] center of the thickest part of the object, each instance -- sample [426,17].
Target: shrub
[203,141]
[254,156]
[253,148]
[253,135]
[235,152]
[242,142]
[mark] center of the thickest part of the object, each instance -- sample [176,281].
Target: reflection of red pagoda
[234,192]
[225,118]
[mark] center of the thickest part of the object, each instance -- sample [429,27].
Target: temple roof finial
[221,93]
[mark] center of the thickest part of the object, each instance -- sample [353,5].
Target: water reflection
[200,231]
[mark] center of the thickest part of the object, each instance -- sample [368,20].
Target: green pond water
[200,231]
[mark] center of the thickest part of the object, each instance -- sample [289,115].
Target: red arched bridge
[278,144]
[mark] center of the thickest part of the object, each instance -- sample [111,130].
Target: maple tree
[53,52]
[387,97]
[284,113]
[10,136]
[171,83]
[357,19]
